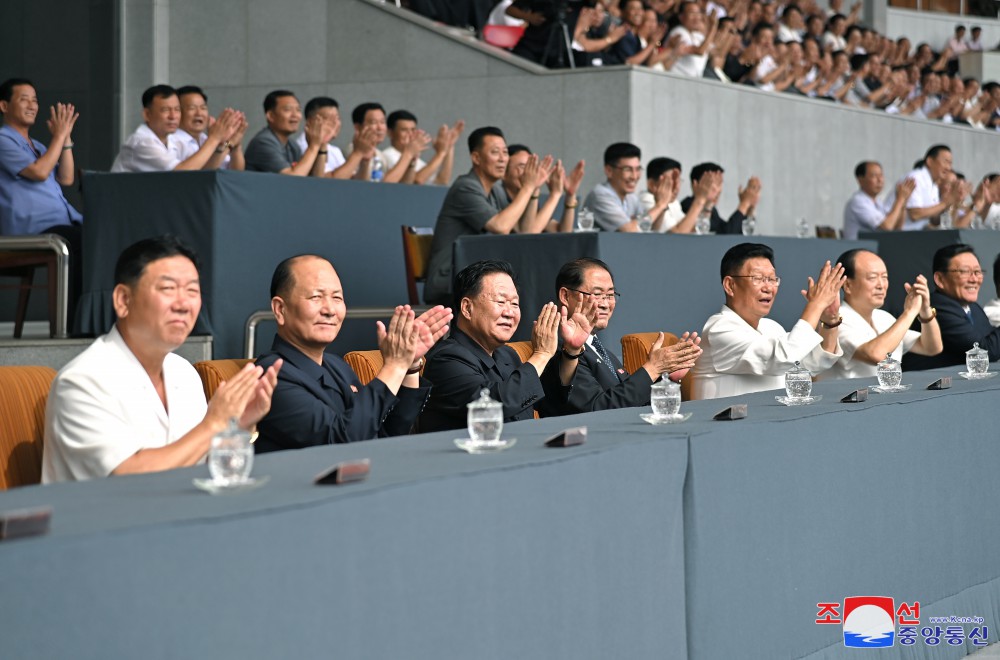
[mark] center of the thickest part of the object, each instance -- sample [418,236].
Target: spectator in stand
[473,206]
[691,40]
[541,17]
[956,45]
[834,40]
[667,172]
[865,212]
[593,35]
[535,220]
[153,147]
[328,110]
[499,15]
[31,200]
[974,42]
[195,119]
[370,128]
[632,48]
[403,130]
[930,197]
[273,150]
[749,197]
[987,201]
[615,202]
[792,26]
[815,27]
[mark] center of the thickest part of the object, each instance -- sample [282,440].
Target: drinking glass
[977,361]
[665,397]
[230,458]
[889,373]
[798,382]
[586,219]
[485,419]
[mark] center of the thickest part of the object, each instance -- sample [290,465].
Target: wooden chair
[523,349]
[20,257]
[416,253]
[825,231]
[213,372]
[635,350]
[23,392]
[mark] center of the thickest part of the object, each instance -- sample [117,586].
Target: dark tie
[605,358]
[968,315]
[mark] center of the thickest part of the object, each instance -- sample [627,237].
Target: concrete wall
[936,28]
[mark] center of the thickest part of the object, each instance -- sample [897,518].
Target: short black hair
[399,115]
[862,169]
[157,92]
[760,27]
[571,274]
[359,112]
[514,149]
[469,281]
[656,167]
[7,87]
[271,100]
[317,103]
[858,60]
[191,89]
[701,169]
[478,136]
[133,260]
[935,150]
[739,254]
[619,150]
[847,261]
[943,257]
[282,279]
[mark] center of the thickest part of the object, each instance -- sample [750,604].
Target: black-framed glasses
[610,296]
[758,280]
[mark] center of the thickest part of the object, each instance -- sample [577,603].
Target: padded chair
[825,231]
[523,349]
[503,36]
[213,372]
[635,350]
[416,253]
[23,392]
[366,364]
[22,264]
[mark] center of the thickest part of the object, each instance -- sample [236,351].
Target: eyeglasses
[966,273]
[627,169]
[758,280]
[610,296]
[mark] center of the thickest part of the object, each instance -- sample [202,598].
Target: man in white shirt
[868,332]
[746,352]
[403,130]
[328,110]
[615,204]
[865,211]
[690,41]
[195,119]
[127,404]
[369,120]
[666,172]
[927,202]
[153,147]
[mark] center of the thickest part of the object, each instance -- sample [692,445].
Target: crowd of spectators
[794,48]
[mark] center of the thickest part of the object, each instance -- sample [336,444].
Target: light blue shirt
[26,206]
[610,210]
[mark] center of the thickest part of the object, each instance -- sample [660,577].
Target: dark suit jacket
[316,405]
[958,334]
[459,368]
[593,387]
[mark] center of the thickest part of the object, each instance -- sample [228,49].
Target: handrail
[58,245]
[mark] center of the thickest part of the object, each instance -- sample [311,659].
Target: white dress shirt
[103,408]
[854,332]
[334,156]
[144,152]
[738,359]
[188,146]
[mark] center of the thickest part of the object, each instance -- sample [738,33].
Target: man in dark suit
[318,399]
[475,356]
[958,277]
[596,379]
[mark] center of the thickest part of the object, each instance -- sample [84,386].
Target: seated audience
[615,203]
[328,111]
[535,219]
[957,280]
[927,202]
[318,399]
[749,197]
[403,130]
[195,120]
[129,404]
[744,351]
[31,200]
[587,376]
[370,127]
[475,356]
[691,40]
[473,206]
[865,211]
[274,150]
[869,333]
[154,147]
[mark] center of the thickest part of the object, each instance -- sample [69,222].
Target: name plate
[20,523]
[857,396]
[943,383]
[737,411]
[344,473]
[568,438]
